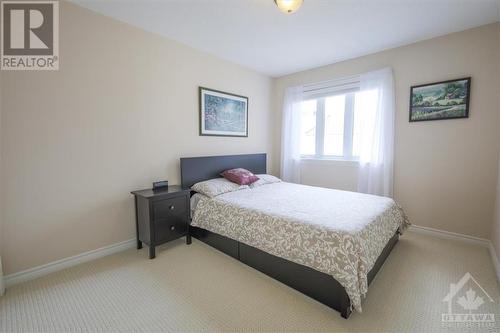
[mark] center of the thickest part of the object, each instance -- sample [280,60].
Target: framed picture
[440,100]
[223,114]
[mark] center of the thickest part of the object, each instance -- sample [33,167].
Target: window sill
[332,161]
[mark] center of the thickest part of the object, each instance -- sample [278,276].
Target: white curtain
[376,105]
[290,136]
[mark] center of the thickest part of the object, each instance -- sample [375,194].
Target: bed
[328,244]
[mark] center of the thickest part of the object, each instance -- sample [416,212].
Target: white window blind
[331,87]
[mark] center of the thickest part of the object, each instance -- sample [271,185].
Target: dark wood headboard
[197,169]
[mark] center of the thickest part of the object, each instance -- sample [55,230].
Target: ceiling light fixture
[288,6]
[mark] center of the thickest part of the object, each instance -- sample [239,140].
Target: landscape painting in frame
[440,100]
[223,114]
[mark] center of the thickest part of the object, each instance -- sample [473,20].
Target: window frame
[320,128]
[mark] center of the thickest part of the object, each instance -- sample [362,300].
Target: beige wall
[495,232]
[1,201]
[445,171]
[117,115]
[318,173]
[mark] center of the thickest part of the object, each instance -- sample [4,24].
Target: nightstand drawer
[169,229]
[170,208]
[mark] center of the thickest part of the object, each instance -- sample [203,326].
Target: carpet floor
[196,288]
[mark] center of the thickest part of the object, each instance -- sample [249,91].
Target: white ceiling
[255,34]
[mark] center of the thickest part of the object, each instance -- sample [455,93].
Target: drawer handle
[172,227]
[171,207]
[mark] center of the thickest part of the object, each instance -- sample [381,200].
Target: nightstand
[161,216]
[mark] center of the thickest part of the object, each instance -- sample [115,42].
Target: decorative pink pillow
[240,176]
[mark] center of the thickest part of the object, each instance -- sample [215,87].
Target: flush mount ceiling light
[288,6]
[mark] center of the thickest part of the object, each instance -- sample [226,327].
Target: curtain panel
[290,138]
[375,175]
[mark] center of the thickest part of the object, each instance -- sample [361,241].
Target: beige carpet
[196,288]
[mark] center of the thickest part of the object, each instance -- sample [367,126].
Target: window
[330,127]
[308,128]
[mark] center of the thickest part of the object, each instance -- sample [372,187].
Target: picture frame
[440,100]
[222,113]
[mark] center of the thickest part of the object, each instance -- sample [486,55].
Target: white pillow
[265,179]
[217,186]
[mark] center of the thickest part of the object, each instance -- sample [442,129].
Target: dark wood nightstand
[161,216]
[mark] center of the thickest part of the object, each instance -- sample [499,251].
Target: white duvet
[336,232]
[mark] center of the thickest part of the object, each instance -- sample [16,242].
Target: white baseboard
[494,258]
[450,235]
[464,238]
[35,272]
[58,265]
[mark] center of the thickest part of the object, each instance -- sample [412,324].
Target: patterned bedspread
[336,232]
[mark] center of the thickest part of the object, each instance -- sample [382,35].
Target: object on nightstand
[161,185]
[161,216]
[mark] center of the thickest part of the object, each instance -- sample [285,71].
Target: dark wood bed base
[317,285]
[320,286]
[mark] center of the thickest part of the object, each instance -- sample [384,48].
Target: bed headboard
[197,169]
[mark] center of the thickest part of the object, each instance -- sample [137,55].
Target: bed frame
[320,286]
